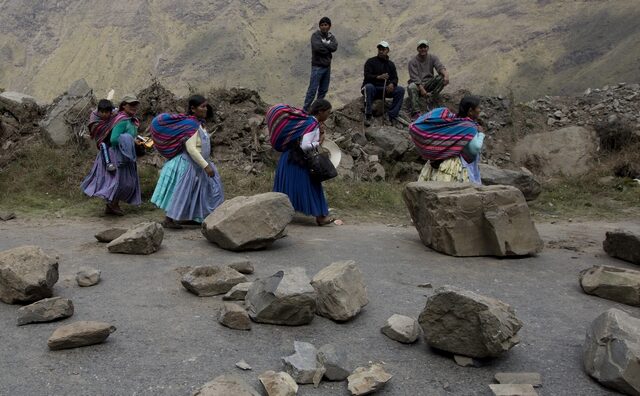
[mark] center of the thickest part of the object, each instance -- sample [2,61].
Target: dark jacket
[321,53]
[376,66]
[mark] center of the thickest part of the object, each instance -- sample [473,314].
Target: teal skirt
[172,172]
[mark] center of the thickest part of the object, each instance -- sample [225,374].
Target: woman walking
[292,175]
[189,188]
[118,134]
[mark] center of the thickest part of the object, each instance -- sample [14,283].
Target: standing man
[323,45]
[380,76]
[422,81]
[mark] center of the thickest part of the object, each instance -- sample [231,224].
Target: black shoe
[367,120]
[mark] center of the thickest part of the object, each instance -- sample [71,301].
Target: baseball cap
[383,44]
[130,98]
[423,42]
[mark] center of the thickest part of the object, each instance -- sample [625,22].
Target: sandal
[167,223]
[111,210]
[330,220]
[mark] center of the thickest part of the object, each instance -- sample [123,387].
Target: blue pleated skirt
[306,195]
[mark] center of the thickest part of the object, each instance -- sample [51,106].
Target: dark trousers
[373,92]
[318,83]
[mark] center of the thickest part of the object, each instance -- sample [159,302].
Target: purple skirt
[121,185]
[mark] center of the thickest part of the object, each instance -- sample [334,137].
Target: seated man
[421,77]
[380,76]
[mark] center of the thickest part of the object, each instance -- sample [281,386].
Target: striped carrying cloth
[98,128]
[170,131]
[287,124]
[439,134]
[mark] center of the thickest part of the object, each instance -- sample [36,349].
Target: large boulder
[617,284]
[523,180]
[624,245]
[568,151]
[612,351]
[226,385]
[468,324]
[75,104]
[249,223]
[285,298]
[341,290]
[393,142]
[27,274]
[45,310]
[80,334]
[20,106]
[144,238]
[209,281]
[462,219]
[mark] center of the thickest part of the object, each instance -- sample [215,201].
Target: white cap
[383,44]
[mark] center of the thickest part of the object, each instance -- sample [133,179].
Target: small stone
[365,380]
[558,114]
[243,365]
[144,238]
[226,385]
[208,281]
[402,329]
[243,267]
[466,361]
[533,379]
[278,384]
[303,365]
[341,290]
[426,285]
[110,234]
[79,334]
[46,310]
[335,362]
[88,277]
[551,121]
[238,292]
[373,158]
[513,390]
[234,316]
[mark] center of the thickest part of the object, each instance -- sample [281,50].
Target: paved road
[169,343]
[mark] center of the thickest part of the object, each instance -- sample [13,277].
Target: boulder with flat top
[249,223]
[462,219]
[144,238]
[521,179]
[613,283]
[623,244]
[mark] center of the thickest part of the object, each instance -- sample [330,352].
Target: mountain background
[526,49]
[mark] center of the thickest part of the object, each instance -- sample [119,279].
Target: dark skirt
[306,195]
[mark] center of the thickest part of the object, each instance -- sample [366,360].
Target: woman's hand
[322,129]
[209,170]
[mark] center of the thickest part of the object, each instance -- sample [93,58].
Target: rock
[303,365]
[6,216]
[243,267]
[79,334]
[568,151]
[55,125]
[401,328]
[110,234]
[27,274]
[208,281]
[523,181]
[234,316]
[249,223]
[285,298]
[513,390]
[465,361]
[623,244]
[335,362]
[377,172]
[393,142]
[533,379]
[612,351]
[144,238]
[242,365]
[20,106]
[278,384]
[238,292]
[468,324]
[88,277]
[226,385]
[45,310]
[461,219]
[365,380]
[341,292]
[617,284]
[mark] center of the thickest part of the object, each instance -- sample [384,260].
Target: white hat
[383,44]
[335,154]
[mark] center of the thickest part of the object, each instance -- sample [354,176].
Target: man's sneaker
[367,120]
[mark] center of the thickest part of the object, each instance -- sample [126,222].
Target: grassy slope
[490,46]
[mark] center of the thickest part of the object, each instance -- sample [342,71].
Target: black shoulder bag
[320,166]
